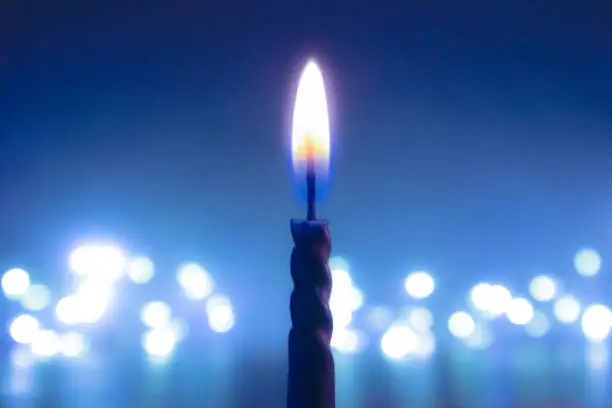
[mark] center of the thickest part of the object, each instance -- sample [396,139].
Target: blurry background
[470,142]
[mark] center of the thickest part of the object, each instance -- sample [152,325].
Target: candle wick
[311,194]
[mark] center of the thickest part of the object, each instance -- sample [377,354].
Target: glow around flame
[310,134]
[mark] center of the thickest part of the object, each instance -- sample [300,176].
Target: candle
[311,381]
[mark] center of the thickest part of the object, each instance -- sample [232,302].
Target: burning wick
[310,139]
[311,192]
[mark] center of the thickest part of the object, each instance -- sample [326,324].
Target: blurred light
[337,262]
[221,318]
[156,314]
[341,279]
[481,296]
[500,300]
[597,356]
[344,299]
[426,345]
[36,298]
[492,300]
[15,282]
[543,288]
[597,323]
[101,262]
[480,338]
[587,262]
[354,299]
[159,342]
[346,341]
[46,344]
[567,309]
[72,344]
[196,282]
[342,315]
[93,299]
[538,326]
[180,328]
[520,311]
[140,270]
[398,342]
[419,285]
[22,357]
[379,317]
[215,301]
[24,329]
[420,319]
[67,310]
[461,324]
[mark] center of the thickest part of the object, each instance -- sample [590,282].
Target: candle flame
[310,139]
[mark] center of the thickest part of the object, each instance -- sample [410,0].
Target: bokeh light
[104,262]
[405,333]
[567,309]
[538,326]
[156,314]
[221,317]
[354,298]
[215,301]
[67,310]
[196,282]
[36,298]
[419,285]
[345,298]
[24,329]
[180,328]
[587,262]
[398,342]
[543,288]
[338,262]
[22,357]
[480,296]
[159,342]
[480,338]
[500,299]
[341,278]
[15,283]
[140,270]
[420,319]
[93,300]
[520,311]
[461,324]
[72,344]
[596,322]
[426,345]
[47,343]
[347,341]
[491,300]
[379,318]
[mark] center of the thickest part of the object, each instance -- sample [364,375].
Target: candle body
[311,365]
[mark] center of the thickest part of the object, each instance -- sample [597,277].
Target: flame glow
[310,134]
